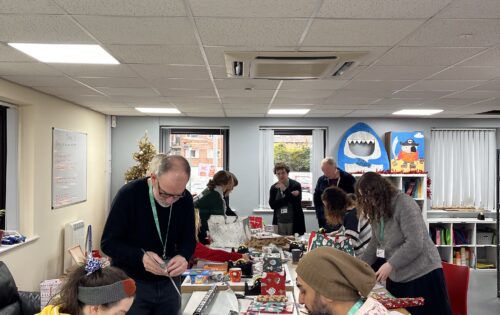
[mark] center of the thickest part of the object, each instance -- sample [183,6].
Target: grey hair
[171,163]
[329,160]
[155,162]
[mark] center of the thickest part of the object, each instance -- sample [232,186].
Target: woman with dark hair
[94,291]
[399,235]
[211,200]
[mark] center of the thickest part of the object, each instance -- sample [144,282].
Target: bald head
[173,163]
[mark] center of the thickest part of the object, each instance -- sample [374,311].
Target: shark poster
[361,150]
[406,151]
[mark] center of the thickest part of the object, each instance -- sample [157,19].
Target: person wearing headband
[333,282]
[101,291]
[150,234]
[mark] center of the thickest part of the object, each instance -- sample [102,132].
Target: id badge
[380,253]
[284,211]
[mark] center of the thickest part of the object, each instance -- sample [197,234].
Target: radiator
[74,234]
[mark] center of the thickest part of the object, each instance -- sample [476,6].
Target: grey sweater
[408,247]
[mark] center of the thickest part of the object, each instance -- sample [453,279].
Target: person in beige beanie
[333,282]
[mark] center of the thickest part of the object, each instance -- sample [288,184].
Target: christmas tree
[143,157]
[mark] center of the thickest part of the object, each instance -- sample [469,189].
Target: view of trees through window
[295,150]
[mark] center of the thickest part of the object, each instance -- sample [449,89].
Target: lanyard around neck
[355,307]
[157,223]
[381,230]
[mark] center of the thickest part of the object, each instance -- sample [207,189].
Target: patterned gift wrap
[270,307]
[273,283]
[272,263]
[339,241]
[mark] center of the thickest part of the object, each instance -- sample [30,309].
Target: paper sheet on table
[222,303]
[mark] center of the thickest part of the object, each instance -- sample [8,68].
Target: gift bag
[273,283]
[339,241]
[228,231]
[256,222]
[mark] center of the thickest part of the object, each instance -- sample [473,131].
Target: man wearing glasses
[150,234]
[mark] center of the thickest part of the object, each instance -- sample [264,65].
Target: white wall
[38,113]
[244,144]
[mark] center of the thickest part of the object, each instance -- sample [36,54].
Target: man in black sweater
[150,234]
[333,176]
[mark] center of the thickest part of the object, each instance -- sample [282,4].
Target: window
[301,149]
[205,149]
[9,200]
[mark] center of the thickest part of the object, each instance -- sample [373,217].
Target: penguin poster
[406,151]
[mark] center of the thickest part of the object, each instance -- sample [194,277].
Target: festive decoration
[144,156]
[273,283]
[362,137]
[338,241]
[406,151]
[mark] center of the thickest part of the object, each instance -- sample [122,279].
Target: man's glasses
[165,195]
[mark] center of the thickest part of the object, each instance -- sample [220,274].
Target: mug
[235,274]
[296,255]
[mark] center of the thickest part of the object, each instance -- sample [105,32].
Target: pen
[162,265]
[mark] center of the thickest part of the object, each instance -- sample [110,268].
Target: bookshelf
[414,185]
[465,241]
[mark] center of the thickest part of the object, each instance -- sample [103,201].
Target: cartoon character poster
[406,151]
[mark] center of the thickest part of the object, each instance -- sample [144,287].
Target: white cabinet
[465,241]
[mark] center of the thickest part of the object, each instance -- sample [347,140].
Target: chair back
[457,282]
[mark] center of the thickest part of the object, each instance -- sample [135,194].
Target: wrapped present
[339,241]
[256,222]
[272,263]
[48,288]
[393,303]
[273,283]
[270,308]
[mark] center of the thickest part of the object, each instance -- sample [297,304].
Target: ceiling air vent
[283,65]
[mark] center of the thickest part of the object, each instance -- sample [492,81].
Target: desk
[188,287]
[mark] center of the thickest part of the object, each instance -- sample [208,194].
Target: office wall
[38,113]
[244,143]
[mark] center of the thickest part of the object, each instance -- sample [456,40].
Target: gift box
[48,288]
[273,283]
[272,263]
[256,222]
[259,308]
[338,241]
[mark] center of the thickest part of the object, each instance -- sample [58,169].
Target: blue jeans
[156,298]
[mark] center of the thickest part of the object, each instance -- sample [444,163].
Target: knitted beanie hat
[335,274]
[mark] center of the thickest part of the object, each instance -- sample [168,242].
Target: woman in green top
[211,200]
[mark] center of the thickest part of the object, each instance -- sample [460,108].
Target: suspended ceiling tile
[41,29]
[491,57]
[377,85]
[372,52]
[349,100]
[419,94]
[489,85]
[186,92]
[255,32]
[244,93]
[443,85]
[111,82]
[245,115]
[313,84]
[304,94]
[359,32]
[128,91]
[391,9]
[144,30]
[167,83]
[29,69]
[29,7]
[296,101]
[426,56]
[475,94]
[247,106]
[235,83]
[29,80]
[398,72]
[246,100]
[141,101]
[170,71]
[469,73]
[456,33]
[78,70]
[194,100]
[480,9]
[328,113]
[157,54]
[450,102]
[124,7]
[9,54]
[59,91]
[254,8]
[370,113]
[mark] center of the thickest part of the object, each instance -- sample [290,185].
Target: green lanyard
[355,307]
[381,230]
[157,223]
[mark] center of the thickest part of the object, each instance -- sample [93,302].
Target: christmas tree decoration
[143,157]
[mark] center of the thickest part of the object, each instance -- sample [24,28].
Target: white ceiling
[421,54]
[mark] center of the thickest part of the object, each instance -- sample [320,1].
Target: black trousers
[432,287]
[156,298]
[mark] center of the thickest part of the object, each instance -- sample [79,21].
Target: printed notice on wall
[69,167]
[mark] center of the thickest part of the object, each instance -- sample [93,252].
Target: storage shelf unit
[474,240]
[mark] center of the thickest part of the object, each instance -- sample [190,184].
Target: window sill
[7,248]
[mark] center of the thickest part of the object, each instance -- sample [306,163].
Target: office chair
[457,282]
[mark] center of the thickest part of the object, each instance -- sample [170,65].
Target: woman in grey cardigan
[399,235]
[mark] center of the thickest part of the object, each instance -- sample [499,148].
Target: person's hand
[295,193]
[151,262]
[177,265]
[383,272]
[281,186]
[245,257]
